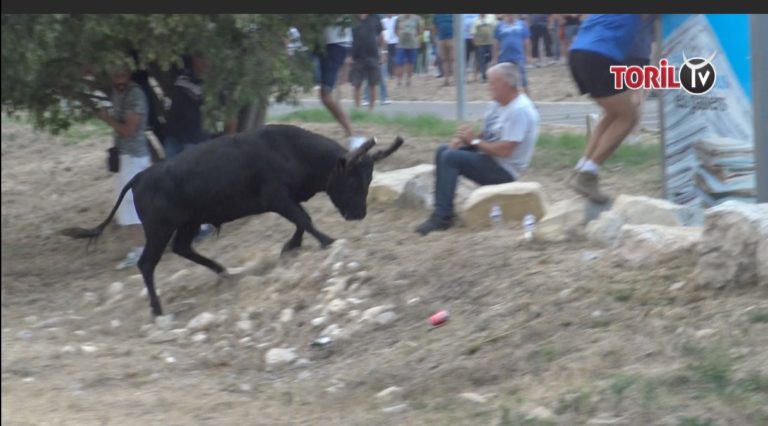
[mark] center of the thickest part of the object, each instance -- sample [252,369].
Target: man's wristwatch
[475,142]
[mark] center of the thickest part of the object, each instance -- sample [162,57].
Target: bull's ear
[354,156]
[341,166]
[382,154]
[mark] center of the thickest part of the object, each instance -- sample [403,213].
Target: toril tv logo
[696,76]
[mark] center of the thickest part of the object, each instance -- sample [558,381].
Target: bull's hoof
[289,248]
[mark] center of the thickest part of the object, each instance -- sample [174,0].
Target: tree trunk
[253,116]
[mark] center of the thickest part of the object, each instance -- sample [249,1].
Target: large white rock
[564,221]
[516,199]
[202,322]
[641,210]
[605,229]
[386,187]
[649,244]
[419,192]
[728,252]
[279,356]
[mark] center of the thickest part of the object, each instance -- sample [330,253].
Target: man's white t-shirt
[338,35]
[518,121]
[390,36]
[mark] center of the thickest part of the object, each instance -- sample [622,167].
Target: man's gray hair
[508,71]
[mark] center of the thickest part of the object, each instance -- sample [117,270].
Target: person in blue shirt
[512,42]
[603,40]
[443,27]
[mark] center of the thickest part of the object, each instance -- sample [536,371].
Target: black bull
[271,170]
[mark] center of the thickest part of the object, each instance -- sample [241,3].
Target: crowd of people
[377,48]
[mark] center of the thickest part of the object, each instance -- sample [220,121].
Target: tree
[45,58]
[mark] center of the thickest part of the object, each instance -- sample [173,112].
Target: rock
[317,322]
[650,244]
[354,313]
[390,393]
[115,323]
[641,210]
[164,322]
[251,281]
[179,275]
[372,313]
[115,288]
[677,286]
[565,220]
[387,187]
[201,322]
[199,338]
[88,349]
[353,267]
[279,356]
[338,252]
[334,287]
[68,350]
[516,199]
[31,319]
[605,229]
[336,268]
[332,330]
[541,413]
[286,315]
[395,409]
[90,299]
[337,305]
[246,341]
[419,192]
[385,318]
[704,333]
[470,396]
[162,336]
[728,252]
[762,263]
[413,300]
[244,326]
[57,321]
[605,419]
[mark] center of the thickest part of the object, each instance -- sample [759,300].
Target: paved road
[560,113]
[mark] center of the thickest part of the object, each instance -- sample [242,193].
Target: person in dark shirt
[184,126]
[368,52]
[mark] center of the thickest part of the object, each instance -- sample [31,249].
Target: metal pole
[458,75]
[758,27]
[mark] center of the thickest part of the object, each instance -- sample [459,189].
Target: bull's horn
[384,153]
[353,156]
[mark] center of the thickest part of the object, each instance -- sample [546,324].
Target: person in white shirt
[500,153]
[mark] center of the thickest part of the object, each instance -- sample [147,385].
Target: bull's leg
[182,245]
[293,211]
[295,241]
[157,238]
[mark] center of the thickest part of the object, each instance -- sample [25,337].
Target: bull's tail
[96,232]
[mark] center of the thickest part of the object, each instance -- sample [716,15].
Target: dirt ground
[540,333]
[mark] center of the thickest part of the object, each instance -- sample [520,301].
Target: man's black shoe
[434,223]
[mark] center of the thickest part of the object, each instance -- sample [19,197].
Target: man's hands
[463,137]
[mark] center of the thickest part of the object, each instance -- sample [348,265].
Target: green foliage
[45,57]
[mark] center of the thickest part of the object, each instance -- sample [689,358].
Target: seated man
[500,154]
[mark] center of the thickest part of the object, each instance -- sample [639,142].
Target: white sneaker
[131,259]
[364,103]
[356,141]
[386,102]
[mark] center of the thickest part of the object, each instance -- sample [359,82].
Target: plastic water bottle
[496,216]
[529,224]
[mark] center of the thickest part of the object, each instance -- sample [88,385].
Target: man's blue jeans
[452,163]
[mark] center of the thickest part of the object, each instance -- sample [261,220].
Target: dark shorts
[406,56]
[365,69]
[330,64]
[592,74]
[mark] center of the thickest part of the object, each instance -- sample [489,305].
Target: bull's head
[348,185]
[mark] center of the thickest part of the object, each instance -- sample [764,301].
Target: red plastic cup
[439,318]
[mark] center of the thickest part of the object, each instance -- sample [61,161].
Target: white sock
[590,166]
[580,163]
